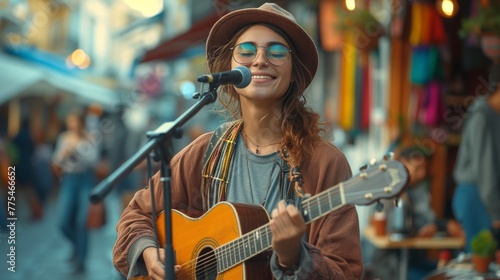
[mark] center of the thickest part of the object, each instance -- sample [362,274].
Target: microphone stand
[163,133]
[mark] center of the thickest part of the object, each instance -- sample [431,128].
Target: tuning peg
[389,156]
[363,167]
[379,206]
[396,201]
[373,161]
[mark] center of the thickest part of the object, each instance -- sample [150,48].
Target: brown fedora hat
[269,13]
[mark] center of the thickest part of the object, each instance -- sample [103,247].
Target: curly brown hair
[299,124]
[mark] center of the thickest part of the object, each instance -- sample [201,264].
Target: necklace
[257,145]
[250,179]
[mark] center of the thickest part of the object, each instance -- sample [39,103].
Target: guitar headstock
[379,180]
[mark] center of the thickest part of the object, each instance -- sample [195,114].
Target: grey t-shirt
[255,179]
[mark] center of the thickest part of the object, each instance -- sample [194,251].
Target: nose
[260,58]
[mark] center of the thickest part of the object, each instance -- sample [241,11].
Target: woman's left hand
[287,227]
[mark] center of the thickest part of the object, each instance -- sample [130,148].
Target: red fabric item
[437,32]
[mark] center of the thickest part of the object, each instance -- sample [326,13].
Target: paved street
[42,252]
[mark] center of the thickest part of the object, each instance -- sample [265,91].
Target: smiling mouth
[262,77]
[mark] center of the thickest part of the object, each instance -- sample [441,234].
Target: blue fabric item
[470,211]
[426,65]
[436,71]
[419,72]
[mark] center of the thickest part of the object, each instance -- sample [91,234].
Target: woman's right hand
[155,266]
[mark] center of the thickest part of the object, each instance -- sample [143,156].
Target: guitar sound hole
[206,265]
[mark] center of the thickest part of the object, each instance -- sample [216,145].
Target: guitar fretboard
[259,240]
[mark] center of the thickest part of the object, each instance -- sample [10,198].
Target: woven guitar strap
[217,162]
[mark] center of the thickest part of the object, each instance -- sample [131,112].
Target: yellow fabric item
[416,24]
[347,95]
[399,94]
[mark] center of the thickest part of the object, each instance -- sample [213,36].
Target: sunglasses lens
[277,54]
[245,53]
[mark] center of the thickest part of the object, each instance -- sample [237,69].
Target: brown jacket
[334,240]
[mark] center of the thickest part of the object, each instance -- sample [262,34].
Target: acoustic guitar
[229,241]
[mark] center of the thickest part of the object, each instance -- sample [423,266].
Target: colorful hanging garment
[347,80]
[426,25]
[358,95]
[436,27]
[366,97]
[416,24]
[434,105]
[419,72]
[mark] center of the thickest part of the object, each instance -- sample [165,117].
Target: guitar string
[312,202]
[209,259]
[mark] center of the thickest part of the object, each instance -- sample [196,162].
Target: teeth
[262,77]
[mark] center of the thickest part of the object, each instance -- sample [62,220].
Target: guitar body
[230,240]
[194,240]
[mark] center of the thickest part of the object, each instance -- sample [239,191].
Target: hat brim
[228,25]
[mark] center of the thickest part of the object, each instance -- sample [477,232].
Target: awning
[19,77]
[177,45]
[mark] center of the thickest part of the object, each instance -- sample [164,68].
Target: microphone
[240,77]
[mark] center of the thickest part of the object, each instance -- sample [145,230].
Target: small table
[463,270]
[404,245]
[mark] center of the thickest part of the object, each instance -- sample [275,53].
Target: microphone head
[246,76]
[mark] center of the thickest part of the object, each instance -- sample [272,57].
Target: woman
[270,154]
[74,158]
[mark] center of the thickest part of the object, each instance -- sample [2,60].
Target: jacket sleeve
[334,240]
[336,250]
[135,232]
[135,226]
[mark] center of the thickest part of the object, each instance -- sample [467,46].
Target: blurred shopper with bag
[476,199]
[74,159]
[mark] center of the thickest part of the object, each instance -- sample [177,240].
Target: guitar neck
[325,202]
[259,240]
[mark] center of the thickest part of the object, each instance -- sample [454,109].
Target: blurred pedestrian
[75,156]
[24,146]
[44,182]
[477,195]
